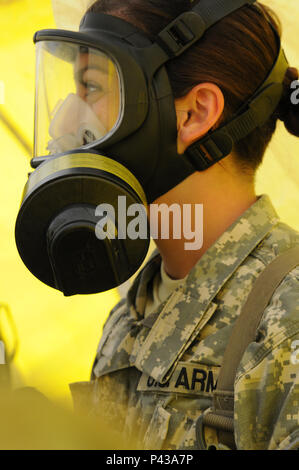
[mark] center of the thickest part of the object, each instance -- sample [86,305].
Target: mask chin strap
[179,36]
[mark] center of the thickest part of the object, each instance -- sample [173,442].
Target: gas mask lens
[78,97]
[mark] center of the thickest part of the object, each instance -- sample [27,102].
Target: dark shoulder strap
[245,328]
[243,333]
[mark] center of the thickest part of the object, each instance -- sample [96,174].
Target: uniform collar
[190,307]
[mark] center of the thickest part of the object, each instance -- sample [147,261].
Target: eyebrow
[78,74]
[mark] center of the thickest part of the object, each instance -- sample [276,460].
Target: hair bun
[288,109]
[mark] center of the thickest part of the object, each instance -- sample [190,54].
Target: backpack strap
[221,416]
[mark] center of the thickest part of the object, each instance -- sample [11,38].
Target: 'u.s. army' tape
[188,378]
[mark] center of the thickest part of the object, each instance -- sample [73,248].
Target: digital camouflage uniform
[154,376]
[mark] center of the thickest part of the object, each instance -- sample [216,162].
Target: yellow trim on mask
[84,160]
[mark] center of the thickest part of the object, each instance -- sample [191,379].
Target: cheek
[107,109]
[100,108]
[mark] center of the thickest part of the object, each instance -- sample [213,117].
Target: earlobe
[197,113]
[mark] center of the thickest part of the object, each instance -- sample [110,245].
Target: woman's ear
[197,112]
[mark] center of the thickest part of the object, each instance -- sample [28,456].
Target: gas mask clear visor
[79,99]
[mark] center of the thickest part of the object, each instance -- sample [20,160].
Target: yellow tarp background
[58,336]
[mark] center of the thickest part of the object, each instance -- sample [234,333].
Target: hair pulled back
[237,54]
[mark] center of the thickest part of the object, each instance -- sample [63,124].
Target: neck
[224,198]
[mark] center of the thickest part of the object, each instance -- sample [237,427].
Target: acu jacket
[154,376]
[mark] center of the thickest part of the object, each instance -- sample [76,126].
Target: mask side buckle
[181,33]
[190,26]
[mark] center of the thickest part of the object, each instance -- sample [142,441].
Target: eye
[92,87]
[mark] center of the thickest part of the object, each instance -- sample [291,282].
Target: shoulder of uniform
[294,274]
[115,313]
[279,239]
[279,325]
[281,317]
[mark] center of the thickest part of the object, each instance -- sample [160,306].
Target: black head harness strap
[181,34]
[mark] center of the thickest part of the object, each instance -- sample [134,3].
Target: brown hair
[237,53]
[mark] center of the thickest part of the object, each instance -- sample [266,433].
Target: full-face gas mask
[105,131]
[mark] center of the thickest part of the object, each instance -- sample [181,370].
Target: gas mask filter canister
[57,222]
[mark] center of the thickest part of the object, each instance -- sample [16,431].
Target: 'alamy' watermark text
[176,222]
[295,94]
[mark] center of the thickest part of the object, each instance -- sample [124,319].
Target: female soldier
[161,349]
